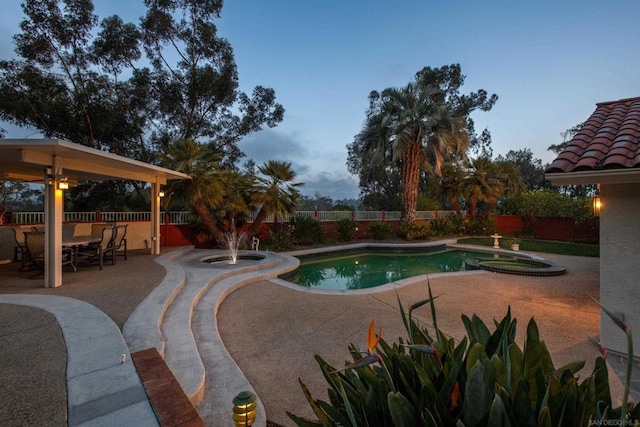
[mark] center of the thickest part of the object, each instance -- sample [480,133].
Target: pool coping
[447,243]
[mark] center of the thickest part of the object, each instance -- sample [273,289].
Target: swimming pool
[363,270]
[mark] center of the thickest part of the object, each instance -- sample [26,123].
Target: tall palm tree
[205,190]
[413,124]
[275,191]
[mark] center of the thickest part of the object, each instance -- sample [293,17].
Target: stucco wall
[620,263]
[138,233]
[138,236]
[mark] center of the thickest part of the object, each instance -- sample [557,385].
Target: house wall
[619,263]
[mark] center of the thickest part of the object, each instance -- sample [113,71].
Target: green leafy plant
[280,239]
[307,231]
[446,225]
[346,228]
[418,230]
[484,380]
[479,226]
[380,230]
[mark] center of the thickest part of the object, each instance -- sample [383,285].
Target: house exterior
[606,151]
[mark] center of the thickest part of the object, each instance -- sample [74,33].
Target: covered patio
[58,164]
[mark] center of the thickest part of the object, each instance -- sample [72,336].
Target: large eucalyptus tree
[131,88]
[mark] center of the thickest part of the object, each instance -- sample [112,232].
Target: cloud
[320,171]
[270,144]
[336,185]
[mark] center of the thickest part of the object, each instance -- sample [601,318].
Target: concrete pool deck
[289,326]
[272,331]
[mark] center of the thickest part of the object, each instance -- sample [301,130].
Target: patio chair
[68,230]
[19,250]
[120,241]
[34,252]
[96,229]
[101,250]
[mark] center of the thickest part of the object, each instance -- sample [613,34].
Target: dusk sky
[549,62]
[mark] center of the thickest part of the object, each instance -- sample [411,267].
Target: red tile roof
[609,139]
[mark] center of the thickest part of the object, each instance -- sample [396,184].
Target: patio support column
[155,217]
[53,208]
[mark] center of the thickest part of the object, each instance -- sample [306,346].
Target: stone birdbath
[496,240]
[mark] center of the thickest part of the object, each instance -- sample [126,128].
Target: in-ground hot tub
[513,265]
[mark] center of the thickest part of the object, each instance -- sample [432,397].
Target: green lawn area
[534,245]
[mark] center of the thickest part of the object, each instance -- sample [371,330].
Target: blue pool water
[367,269]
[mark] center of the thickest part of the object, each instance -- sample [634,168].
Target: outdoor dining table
[74,242]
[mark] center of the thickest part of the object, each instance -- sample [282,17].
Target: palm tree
[452,184]
[205,190]
[414,125]
[234,205]
[511,180]
[275,192]
[482,183]
[488,181]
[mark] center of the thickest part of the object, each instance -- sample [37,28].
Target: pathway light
[244,409]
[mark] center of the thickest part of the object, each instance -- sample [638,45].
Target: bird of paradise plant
[370,353]
[484,380]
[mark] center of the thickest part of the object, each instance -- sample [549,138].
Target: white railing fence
[189,217]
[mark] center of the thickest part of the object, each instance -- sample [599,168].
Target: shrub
[306,231]
[485,380]
[379,230]
[281,239]
[446,225]
[479,226]
[440,226]
[418,230]
[346,228]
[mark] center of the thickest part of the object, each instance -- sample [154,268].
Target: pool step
[165,320]
[224,378]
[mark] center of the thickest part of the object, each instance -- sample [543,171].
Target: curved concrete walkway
[103,387]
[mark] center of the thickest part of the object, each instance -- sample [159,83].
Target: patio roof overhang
[607,176]
[49,161]
[26,160]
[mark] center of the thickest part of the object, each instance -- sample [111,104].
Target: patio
[59,164]
[301,324]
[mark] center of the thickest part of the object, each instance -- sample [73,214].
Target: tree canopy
[131,88]
[531,168]
[410,132]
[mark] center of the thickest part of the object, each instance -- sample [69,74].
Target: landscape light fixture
[597,205]
[244,409]
[161,194]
